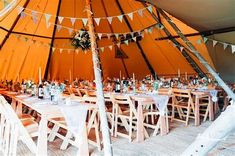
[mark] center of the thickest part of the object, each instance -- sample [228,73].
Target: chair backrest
[124,102]
[164,91]
[12,129]
[186,93]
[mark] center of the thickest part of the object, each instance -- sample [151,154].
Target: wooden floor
[170,145]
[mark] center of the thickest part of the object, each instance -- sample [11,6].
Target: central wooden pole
[99,86]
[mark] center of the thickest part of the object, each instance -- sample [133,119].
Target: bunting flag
[181,49]
[108,35]
[61,50]
[100,36]
[233,48]
[150,30]
[70,31]
[119,45]
[140,12]
[120,18]
[97,21]
[116,35]
[6,3]
[77,51]
[205,39]
[110,19]
[150,9]
[84,21]
[34,16]
[102,49]
[72,20]
[53,49]
[214,42]
[48,25]
[130,15]
[126,42]
[20,9]
[225,45]
[60,18]
[47,17]
[59,27]
[134,38]
[22,14]
[199,41]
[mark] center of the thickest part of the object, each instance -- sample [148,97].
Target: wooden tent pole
[99,86]
[224,124]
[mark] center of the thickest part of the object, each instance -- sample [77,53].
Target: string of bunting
[130,15]
[133,37]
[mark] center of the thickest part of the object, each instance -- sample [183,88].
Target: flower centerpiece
[81,40]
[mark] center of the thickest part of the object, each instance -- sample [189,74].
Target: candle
[133,77]
[178,72]
[186,76]
[40,75]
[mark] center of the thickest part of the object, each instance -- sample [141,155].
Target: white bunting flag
[22,14]
[60,19]
[225,45]
[53,49]
[214,43]
[130,15]
[150,9]
[110,19]
[134,38]
[47,17]
[48,25]
[84,21]
[70,31]
[116,35]
[97,20]
[102,49]
[140,12]
[59,27]
[72,20]
[150,30]
[20,9]
[233,48]
[181,49]
[111,47]
[120,18]
[100,36]
[34,16]
[132,34]
[126,42]
[108,35]
[124,35]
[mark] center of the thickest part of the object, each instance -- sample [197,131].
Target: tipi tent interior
[159,54]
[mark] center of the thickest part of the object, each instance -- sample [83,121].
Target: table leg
[83,149]
[42,137]
[163,126]
[140,125]
[211,109]
[197,113]
[19,108]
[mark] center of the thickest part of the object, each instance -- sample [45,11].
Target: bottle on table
[117,86]
[40,91]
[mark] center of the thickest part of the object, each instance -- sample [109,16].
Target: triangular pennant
[47,17]
[108,35]
[97,20]
[120,17]
[181,49]
[48,25]
[140,12]
[22,14]
[116,35]
[124,35]
[72,20]
[199,41]
[59,27]
[80,32]
[233,48]
[34,16]
[126,42]
[146,31]
[111,47]
[102,49]
[100,36]
[132,34]
[214,43]
[53,49]
[134,38]
[84,21]
[60,19]
[20,9]
[225,45]
[118,44]
[150,30]
[205,39]
[150,9]
[130,15]
[70,31]
[110,19]
[61,50]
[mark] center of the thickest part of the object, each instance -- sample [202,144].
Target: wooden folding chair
[126,112]
[183,105]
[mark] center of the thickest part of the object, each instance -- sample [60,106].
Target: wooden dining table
[47,110]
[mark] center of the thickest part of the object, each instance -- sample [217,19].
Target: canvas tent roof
[26,48]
